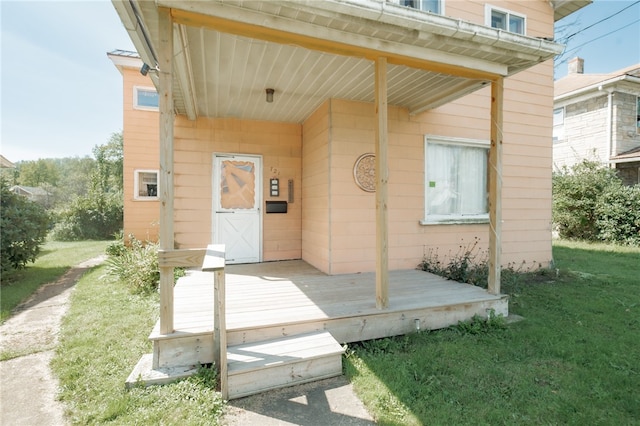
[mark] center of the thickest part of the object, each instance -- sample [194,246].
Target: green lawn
[103,336]
[574,359]
[54,260]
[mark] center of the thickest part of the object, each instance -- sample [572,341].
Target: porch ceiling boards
[228,52]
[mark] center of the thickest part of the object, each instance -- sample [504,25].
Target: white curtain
[456,180]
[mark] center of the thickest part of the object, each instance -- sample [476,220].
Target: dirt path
[28,389]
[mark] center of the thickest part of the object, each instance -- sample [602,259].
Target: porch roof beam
[252,24]
[184,72]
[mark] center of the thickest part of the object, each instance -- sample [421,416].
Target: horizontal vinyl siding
[140,135]
[526,177]
[197,141]
[315,189]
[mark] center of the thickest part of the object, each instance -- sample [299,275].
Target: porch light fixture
[146,69]
[270,95]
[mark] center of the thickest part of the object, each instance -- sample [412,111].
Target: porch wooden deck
[269,300]
[285,320]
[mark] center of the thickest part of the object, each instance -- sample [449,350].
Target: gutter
[412,19]
[130,17]
[598,86]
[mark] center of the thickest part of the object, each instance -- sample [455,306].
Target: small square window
[505,20]
[145,184]
[145,98]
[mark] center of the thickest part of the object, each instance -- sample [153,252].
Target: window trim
[638,115]
[487,18]
[554,125]
[441,3]
[136,184]
[137,89]
[457,219]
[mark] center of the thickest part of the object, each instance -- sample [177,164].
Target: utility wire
[566,39]
[597,38]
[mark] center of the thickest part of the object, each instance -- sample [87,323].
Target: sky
[60,95]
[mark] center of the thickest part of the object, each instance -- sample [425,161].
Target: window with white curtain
[455,180]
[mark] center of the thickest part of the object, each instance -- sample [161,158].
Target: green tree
[99,213]
[39,172]
[109,168]
[23,229]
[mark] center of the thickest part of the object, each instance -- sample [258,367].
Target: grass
[103,336]
[54,260]
[574,359]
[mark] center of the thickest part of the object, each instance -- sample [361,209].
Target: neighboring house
[36,194]
[6,164]
[356,135]
[597,116]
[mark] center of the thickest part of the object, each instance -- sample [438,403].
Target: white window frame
[137,89]
[638,117]
[558,128]
[440,3]
[136,185]
[487,13]
[435,219]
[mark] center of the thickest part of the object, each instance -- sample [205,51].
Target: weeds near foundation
[470,265]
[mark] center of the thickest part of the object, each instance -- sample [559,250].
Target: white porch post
[495,186]
[382,178]
[165,94]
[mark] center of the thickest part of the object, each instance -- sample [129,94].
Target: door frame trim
[259,194]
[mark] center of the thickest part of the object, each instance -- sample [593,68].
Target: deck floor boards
[293,291]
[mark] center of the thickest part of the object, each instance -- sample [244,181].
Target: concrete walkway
[28,389]
[329,402]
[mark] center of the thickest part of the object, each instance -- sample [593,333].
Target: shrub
[137,266]
[93,217]
[23,229]
[591,203]
[618,215]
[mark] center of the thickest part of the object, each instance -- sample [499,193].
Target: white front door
[237,198]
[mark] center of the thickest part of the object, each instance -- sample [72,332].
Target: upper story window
[505,20]
[558,124]
[145,98]
[433,6]
[455,180]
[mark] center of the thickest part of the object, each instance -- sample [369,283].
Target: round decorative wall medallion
[364,172]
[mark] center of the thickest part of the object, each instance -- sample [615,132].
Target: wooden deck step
[271,364]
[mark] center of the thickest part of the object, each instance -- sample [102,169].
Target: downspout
[610,142]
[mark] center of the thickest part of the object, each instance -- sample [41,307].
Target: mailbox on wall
[276,206]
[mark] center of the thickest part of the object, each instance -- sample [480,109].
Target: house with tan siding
[353,135]
[597,117]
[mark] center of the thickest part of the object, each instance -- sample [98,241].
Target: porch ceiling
[228,52]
